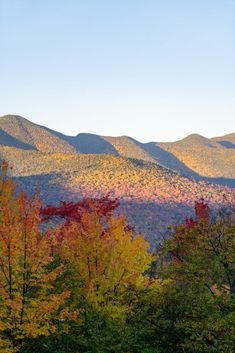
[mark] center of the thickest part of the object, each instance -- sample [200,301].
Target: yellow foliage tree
[106,257]
[28,301]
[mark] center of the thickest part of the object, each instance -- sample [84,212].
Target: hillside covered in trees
[152,197]
[89,283]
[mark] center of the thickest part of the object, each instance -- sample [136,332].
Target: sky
[151,69]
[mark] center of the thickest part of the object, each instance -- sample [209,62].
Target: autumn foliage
[73,211]
[202,214]
[28,300]
[93,247]
[77,278]
[106,256]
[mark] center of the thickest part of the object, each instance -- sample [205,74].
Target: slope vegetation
[151,196]
[213,158]
[195,156]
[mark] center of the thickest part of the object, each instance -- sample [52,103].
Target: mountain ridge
[193,156]
[155,183]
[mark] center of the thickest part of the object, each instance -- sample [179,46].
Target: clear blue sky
[153,69]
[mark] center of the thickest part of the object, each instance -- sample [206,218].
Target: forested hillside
[213,158]
[151,196]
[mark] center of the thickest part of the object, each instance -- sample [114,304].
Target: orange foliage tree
[28,298]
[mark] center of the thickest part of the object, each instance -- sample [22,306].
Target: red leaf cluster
[202,213]
[72,211]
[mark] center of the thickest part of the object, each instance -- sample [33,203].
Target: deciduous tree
[28,299]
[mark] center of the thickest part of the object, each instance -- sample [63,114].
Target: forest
[77,278]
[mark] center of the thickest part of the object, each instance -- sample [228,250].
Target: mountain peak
[14,117]
[196,138]
[32,135]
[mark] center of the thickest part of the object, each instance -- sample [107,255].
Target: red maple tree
[72,211]
[202,213]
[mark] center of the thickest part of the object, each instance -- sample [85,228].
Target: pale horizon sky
[154,70]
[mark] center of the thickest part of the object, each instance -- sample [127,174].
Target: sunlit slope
[195,156]
[206,157]
[151,196]
[127,147]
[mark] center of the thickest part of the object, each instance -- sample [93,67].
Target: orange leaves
[27,298]
[143,188]
[101,254]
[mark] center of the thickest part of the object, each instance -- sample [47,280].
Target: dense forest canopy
[89,282]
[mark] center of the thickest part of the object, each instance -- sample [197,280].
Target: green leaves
[202,265]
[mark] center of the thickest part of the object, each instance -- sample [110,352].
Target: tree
[105,263]
[200,261]
[106,256]
[72,211]
[28,297]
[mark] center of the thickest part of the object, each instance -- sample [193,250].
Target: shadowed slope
[128,147]
[167,159]
[34,135]
[8,140]
[206,157]
[86,143]
[90,143]
[227,141]
[228,138]
[194,156]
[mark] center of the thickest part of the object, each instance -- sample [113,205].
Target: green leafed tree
[200,261]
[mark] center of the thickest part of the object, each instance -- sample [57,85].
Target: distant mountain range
[156,182]
[193,156]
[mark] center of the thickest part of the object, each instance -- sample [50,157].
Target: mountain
[194,156]
[213,158]
[156,183]
[226,141]
[33,136]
